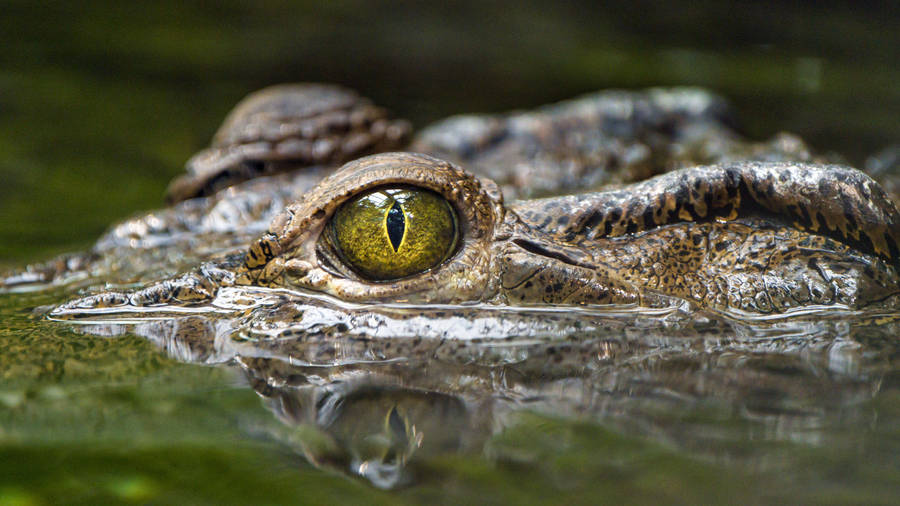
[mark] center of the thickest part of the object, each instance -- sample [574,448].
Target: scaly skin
[606,137]
[611,137]
[747,236]
[750,236]
[757,237]
[280,128]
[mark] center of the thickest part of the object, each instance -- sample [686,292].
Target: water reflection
[377,391]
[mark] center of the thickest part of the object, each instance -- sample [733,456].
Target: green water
[100,105]
[90,419]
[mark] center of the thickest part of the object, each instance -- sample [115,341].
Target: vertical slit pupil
[396,225]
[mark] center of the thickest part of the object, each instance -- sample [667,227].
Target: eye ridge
[395,225]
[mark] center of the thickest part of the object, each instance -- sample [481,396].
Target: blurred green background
[102,102]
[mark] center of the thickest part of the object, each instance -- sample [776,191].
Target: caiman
[760,228]
[600,255]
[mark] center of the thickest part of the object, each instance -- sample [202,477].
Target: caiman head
[757,237]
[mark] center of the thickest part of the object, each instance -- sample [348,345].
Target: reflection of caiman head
[373,406]
[365,426]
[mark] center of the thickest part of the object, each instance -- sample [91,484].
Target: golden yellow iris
[391,233]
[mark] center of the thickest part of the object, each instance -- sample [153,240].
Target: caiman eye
[391,233]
